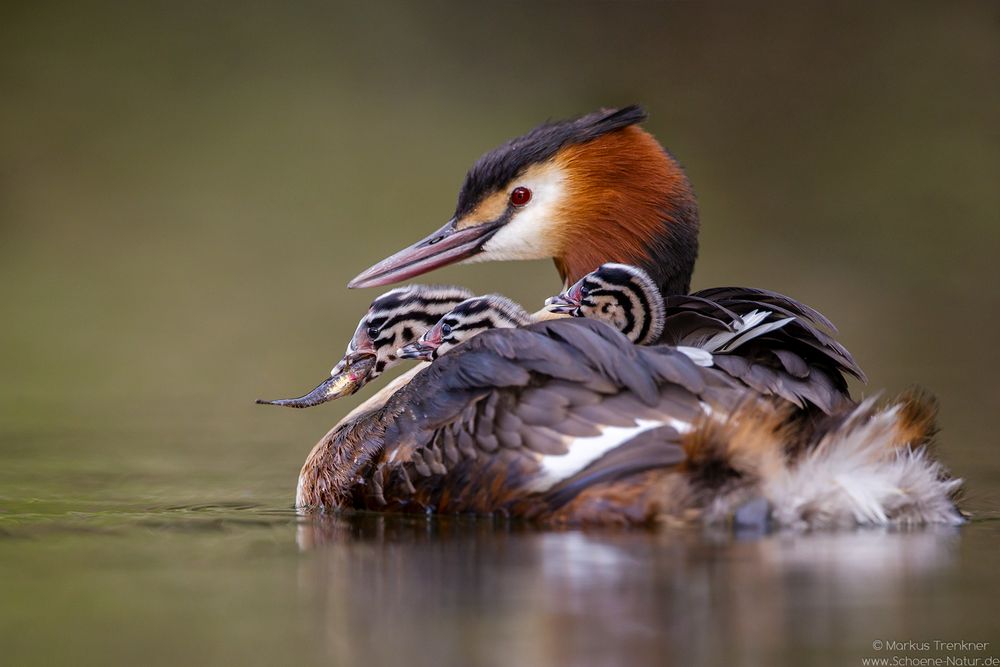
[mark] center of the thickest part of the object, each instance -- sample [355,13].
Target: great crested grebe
[571,421]
[622,296]
[599,189]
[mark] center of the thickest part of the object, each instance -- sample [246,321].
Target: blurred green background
[186,188]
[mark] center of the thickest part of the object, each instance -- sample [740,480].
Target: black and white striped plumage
[466,320]
[620,295]
[395,319]
[399,317]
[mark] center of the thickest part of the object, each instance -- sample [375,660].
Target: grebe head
[468,319]
[396,318]
[622,296]
[584,192]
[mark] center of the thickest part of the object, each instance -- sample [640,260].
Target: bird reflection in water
[494,592]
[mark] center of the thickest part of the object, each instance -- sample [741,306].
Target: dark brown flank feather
[340,459]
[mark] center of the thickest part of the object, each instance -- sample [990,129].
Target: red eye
[520,196]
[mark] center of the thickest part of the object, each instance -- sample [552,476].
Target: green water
[185,191]
[188,567]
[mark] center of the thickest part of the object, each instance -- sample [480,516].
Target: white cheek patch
[584,451]
[527,235]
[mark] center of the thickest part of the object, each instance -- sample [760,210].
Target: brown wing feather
[489,410]
[800,362]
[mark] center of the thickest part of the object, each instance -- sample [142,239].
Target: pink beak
[445,246]
[567,302]
[424,348]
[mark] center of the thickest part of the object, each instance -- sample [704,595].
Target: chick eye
[520,196]
[373,332]
[445,329]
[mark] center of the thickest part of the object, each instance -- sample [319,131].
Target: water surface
[131,565]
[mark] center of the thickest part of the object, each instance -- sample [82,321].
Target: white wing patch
[584,451]
[696,354]
[750,334]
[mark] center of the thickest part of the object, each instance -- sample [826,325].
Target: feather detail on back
[770,342]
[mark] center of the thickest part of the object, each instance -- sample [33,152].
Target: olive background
[186,188]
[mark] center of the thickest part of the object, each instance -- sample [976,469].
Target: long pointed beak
[422,350]
[343,382]
[445,246]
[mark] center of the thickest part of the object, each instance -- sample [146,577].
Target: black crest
[496,168]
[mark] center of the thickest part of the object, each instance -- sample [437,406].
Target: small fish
[343,383]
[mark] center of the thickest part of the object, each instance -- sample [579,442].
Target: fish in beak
[348,376]
[448,245]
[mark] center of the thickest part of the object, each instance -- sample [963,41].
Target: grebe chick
[394,319]
[468,319]
[622,296]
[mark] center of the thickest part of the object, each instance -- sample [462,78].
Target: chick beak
[566,303]
[422,349]
[445,246]
[349,375]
